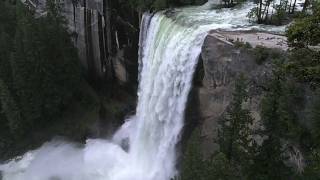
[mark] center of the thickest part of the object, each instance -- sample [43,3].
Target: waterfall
[144,147]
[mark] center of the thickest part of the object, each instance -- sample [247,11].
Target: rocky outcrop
[221,63]
[106,35]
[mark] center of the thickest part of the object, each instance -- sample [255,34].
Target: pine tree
[40,74]
[305,31]
[315,117]
[9,108]
[193,165]
[312,170]
[220,168]
[7,30]
[269,160]
[235,134]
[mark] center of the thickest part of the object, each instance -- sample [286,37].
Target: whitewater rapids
[170,43]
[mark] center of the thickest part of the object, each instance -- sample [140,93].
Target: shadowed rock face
[106,35]
[222,63]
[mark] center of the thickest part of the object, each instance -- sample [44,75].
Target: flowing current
[170,43]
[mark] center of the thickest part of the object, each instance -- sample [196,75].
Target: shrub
[261,54]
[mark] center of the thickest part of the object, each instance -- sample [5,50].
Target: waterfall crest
[170,43]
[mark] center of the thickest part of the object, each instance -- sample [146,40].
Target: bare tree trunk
[260,12]
[293,6]
[285,6]
[272,12]
[266,15]
[290,6]
[305,5]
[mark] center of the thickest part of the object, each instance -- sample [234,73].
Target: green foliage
[235,142]
[315,118]
[290,101]
[194,166]
[261,54]
[269,162]
[280,124]
[220,168]
[278,106]
[304,61]
[280,15]
[305,31]
[45,66]
[312,170]
[304,64]
[40,75]
[234,136]
[193,163]
[245,45]
[9,108]
[254,14]
[7,30]
[271,12]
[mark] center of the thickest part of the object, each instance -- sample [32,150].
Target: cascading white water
[170,43]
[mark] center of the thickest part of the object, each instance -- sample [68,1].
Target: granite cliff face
[222,60]
[106,34]
[220,64]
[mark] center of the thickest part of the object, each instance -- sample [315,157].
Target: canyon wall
[220,64]
[106,33]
